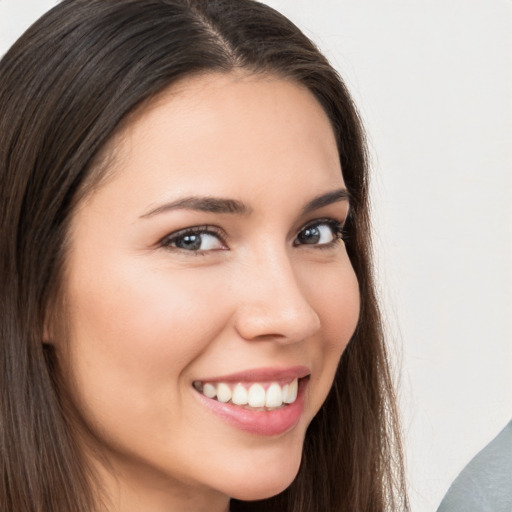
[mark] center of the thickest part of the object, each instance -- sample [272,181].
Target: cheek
[335,297]
[134,333]
[336,300]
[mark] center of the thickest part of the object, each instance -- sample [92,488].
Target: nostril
[269,337]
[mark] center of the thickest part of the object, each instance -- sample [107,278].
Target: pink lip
[265,423]
[263,375]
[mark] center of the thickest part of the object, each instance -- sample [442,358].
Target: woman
[188,314]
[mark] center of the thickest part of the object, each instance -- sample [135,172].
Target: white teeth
[223,392]
[209,390]
[292,392]
[240,395]
[274,396]
[256,396]
[284,393]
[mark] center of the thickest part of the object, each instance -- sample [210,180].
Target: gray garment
[485,484]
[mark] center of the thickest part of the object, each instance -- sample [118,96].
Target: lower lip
[263,423]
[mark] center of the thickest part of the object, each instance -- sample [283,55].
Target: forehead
[220,131]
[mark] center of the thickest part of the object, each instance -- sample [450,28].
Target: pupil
[190,242]
[310,236]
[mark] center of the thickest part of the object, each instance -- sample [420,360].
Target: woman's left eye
[322,232]
[194,240]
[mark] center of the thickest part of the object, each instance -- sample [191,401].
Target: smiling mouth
[256,396]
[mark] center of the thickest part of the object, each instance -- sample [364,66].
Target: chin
[262,484]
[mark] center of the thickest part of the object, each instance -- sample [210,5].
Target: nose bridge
[273,302]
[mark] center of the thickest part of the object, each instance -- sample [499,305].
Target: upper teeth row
[254,396]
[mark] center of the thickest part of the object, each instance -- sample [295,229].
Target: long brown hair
[65,86]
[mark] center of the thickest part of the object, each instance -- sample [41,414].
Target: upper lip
[262,375]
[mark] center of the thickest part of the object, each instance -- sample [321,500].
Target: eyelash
[169,241]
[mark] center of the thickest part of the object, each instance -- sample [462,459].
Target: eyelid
[324,220]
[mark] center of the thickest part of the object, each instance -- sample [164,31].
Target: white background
[433,80]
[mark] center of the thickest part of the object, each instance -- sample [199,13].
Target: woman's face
[209,269]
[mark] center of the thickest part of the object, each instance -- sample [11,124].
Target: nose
[272,303]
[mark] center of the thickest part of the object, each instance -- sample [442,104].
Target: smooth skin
[150,310]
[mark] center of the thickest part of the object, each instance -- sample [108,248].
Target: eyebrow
[233,206]
[202,204]
[334,196]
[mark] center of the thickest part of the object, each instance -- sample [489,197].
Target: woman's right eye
[194,240]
